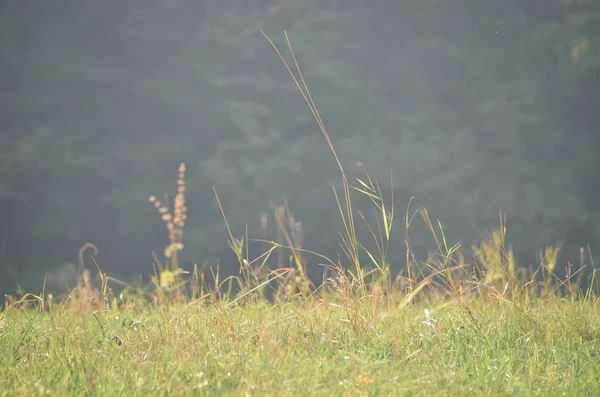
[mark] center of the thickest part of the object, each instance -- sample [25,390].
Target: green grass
[459,322]
[549,346]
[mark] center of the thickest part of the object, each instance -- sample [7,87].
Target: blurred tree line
[473,107]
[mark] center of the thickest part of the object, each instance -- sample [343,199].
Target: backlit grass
[304,347]
[458,322]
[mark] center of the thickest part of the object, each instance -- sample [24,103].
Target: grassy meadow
[312,346]
[462,321]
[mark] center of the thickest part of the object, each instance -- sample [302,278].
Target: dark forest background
[470,107]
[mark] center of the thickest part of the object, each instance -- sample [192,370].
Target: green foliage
[304,348]
[461,102]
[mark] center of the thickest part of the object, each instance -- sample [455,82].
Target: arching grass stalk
[349,242]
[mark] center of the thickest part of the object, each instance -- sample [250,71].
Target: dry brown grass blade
[347,213]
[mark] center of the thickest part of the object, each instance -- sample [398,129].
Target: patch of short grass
[549,346]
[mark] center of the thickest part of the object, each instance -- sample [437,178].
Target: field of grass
[311,346]
[462,321]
